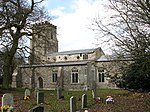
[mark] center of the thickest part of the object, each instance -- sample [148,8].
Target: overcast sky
[73,18]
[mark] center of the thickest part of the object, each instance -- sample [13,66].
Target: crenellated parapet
[45,23]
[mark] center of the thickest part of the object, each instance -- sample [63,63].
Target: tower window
[51,35]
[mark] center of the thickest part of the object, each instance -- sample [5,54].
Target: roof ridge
[74,51]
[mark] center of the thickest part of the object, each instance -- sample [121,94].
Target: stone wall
[88,76]
[30,75]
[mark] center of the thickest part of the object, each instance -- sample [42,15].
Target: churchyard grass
[124,100]
[52,104]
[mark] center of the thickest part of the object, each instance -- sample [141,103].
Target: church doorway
[40,82]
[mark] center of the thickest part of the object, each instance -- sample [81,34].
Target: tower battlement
[45,23]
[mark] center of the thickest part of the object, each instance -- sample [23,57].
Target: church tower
[43,41]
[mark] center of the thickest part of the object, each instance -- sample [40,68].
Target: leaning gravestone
[40,97]
[27,92]
[84,101]
[7,100]
[73,104]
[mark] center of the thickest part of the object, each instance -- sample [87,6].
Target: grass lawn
[64,105]
[124,101]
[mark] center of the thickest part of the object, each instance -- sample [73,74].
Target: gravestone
[38,108]
[27,92]
[7,100]
[84,101]
[73,104]
[59,92]
[93,94]
[40,97]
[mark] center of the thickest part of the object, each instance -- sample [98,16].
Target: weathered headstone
[27,92]
[93,94]
[73,104]
[38,108]
[84,101]
[59,92]
[40,97]
[14,78]
[7,100]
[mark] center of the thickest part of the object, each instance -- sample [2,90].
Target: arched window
[54,75]
[40,82]
[74,75]
[101,75]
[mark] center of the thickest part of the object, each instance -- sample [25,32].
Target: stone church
[72,70]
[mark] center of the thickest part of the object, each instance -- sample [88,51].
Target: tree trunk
[8,65]
[6,76]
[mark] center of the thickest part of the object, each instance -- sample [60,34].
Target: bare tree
[16,19]
[129,28]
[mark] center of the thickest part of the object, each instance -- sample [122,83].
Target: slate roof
[56,64]
[106,58]
[73,52]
